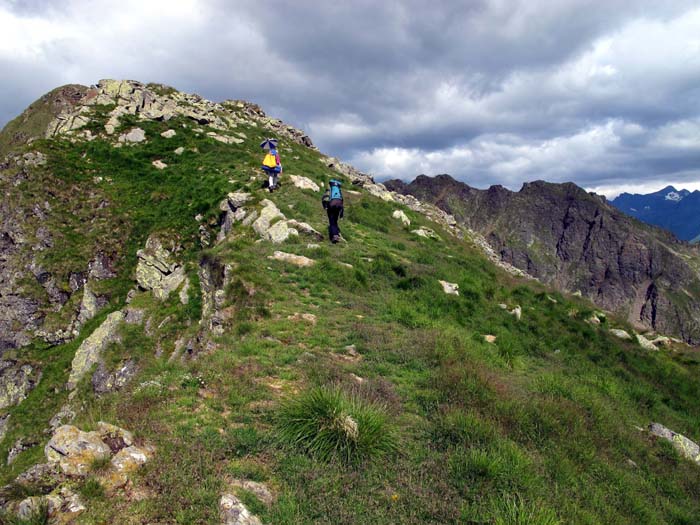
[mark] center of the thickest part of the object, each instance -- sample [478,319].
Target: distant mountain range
[669,208]
[577,241]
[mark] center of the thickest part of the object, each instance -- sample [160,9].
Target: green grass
[328,424]
[536,428]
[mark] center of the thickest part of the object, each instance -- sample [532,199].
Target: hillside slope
[575,241]
[173,296]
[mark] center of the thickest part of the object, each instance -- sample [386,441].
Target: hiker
[332,201]
[271,164]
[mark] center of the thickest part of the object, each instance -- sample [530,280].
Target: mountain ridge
[575,240]
[182,320]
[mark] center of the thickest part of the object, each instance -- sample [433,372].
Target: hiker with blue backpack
[271,164]
[332,201]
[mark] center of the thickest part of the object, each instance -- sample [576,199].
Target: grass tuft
[327,424]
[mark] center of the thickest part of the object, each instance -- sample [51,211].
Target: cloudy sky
[605,93]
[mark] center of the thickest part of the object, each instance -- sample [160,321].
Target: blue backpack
[335,190]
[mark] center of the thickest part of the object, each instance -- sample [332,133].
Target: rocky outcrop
[16,381]
[89,352]
[449,288]
[304,183]
[157,269]
[273,226]
[574,240]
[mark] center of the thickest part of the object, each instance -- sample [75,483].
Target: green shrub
[328,424]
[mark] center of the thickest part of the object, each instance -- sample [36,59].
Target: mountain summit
[669,208]
[180,345]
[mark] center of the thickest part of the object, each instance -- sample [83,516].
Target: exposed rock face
[399,215]
[157,269]
[576,241]
[16,381]
[90,351]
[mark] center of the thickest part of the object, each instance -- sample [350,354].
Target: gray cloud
[602,93]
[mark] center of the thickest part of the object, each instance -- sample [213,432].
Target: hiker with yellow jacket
[271,164]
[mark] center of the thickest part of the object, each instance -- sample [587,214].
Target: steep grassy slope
[539,427]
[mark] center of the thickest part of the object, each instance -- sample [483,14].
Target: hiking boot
[335,239]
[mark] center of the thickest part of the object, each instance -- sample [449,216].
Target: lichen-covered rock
[116,438]
[260,490]
[233,512]
[157,269]
[16,381]
[105,381]
[76,451]
[159,164]
[685,447]
[125,462]
[168,134]
[44,477]
[280,232]
[90,350]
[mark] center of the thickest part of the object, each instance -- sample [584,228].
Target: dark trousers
[335,211]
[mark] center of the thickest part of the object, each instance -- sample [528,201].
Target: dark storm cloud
[492,91]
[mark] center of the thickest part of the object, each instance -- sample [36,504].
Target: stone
[179,151]
[90,350]
[75,451]
[184,295]
[133,136]
[260,490]
[125,462]
[157,270]
[115,437]
[309,318]
[490,338]
[4,423]
[401,216]
[168,134]
[426,233]
[620,334]
[44,476]
[517,312]
[159,164]
[88,305]
[298,260]
[104,381]
[134,315]
[305,228]
[237,199]
[268,214]
[645,343]
[280,232]
[304,183]
[233,512]
[16,381]
[20,446]
[225,139]
[685,447]
[661,341]
[450,288]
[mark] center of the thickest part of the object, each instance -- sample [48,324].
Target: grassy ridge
[538,428]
